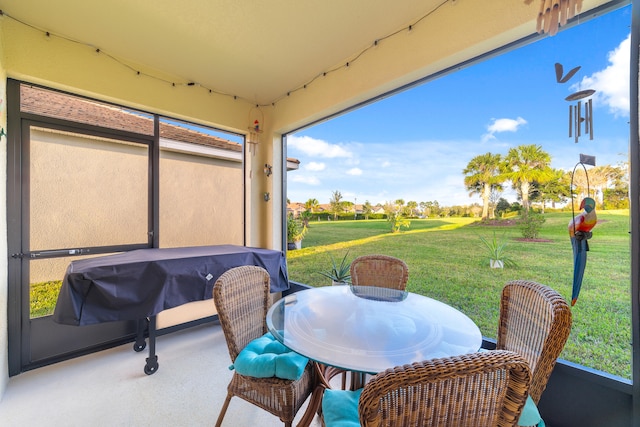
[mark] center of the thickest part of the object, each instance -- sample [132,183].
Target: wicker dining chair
[486,389]
[535,322]
[382,271]
[241,297]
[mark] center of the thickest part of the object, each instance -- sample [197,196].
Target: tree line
[526,168]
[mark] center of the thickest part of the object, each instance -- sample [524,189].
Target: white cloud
[503,125]
[304,179]
[612,83]
[315,166]
[420,170]
[317,147]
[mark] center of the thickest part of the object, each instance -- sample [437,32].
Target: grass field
[447,262]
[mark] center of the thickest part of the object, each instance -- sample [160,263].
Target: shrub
[295,229]
[531,224]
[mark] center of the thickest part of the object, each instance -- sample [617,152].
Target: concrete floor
[109,388]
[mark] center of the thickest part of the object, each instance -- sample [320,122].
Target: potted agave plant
[496,251]
[340,274]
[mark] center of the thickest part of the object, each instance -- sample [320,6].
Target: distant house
[377,209]
[295,208]
[324,208]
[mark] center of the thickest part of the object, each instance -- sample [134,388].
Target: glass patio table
[369,329]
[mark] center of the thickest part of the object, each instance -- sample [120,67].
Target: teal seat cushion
[340,408]
[266,357]
[530,415]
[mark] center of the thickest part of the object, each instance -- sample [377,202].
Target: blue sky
[415,144]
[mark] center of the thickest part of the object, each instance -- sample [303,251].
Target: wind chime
[576,119]
[554,13]
[577,116]
[580,226]
[256,121]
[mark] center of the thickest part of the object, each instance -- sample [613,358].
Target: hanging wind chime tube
[256,123]
[554,14]
[588,113]
[571,121]
[576,119]
[579,120]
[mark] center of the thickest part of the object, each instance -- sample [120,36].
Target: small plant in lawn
[339,274]
[496,251]
[305,217]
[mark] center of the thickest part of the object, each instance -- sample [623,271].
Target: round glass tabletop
[370,329]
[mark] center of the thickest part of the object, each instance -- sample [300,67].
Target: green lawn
[447,262]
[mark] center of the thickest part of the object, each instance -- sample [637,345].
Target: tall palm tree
[524,165]
[336,203]
[483,175]
[311,205]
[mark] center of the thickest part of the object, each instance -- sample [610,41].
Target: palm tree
[524,165]
[311,205]
[336,203]
[367,209]
[483,176]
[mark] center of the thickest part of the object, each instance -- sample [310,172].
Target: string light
[375,43]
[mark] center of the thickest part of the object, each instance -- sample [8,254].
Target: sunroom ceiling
[254,49]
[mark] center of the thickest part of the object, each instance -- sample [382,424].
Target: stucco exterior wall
[86,191]
[200,201]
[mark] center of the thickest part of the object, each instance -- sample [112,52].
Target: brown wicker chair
[379,270]
[535,322]
[475,390]
[241,296]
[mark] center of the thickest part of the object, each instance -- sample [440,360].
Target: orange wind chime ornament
[256,122]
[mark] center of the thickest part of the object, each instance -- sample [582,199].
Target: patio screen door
[74,181]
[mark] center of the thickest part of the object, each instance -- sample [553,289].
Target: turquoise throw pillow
[530,415]
[340,408]
[266,357]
